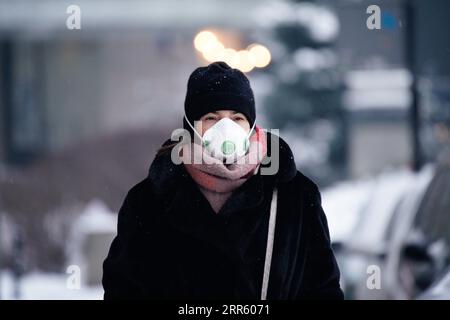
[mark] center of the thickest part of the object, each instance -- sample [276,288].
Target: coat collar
[186,207]
[167,178]
[178,191]
[287,169]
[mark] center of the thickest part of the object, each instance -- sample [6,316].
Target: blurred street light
[259,55]
[204,40]
[212,49]
[245,62]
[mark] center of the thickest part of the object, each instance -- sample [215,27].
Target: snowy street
[47,286]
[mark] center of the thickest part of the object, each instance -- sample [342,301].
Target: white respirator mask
[225,140]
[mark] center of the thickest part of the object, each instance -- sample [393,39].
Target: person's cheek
[206,125]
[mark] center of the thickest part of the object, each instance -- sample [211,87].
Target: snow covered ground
[85,253]
[86,257]
[46,286]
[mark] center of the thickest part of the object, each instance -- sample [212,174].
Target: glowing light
[244,64]
[259,55]
[204,40]
[214,52]
[212,49]
[231,57]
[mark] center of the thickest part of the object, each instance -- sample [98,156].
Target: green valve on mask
[228,147]
[207,144]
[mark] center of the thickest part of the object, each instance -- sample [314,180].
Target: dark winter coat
[170,244]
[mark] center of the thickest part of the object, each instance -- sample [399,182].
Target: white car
[394,195]
[420,250]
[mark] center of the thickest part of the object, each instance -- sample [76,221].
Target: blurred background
[89,89]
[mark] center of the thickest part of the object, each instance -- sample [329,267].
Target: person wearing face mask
[215,225]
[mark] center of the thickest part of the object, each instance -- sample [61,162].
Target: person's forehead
[222,111]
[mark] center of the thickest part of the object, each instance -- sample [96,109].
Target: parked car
[369,241]
[395,198]
[420,251]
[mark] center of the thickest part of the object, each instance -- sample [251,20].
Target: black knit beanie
[218,87]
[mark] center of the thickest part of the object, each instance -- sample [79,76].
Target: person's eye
[238,118]
[209,118]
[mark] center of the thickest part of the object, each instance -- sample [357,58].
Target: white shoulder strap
[269,248]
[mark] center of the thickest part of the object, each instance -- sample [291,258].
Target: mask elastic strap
[193,127]
[251,130]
